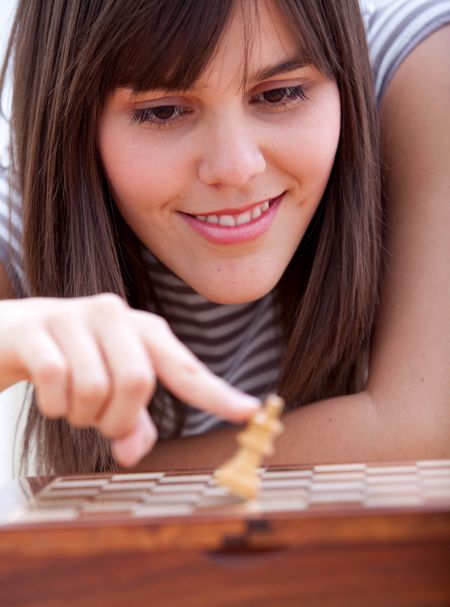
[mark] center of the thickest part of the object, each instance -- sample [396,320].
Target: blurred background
[6,13]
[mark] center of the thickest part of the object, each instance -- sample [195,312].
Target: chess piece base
[246,488]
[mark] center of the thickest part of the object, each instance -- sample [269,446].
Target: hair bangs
[171,43]
[309,23]
[170,46]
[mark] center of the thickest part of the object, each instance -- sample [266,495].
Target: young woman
[220,174]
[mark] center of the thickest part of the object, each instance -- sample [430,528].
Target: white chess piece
[240,473]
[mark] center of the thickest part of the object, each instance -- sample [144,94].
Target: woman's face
[221,182]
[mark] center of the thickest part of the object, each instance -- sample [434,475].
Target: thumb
[129,449]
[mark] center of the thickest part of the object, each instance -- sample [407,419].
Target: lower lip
[235,234]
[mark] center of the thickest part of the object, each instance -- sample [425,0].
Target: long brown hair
[67,56]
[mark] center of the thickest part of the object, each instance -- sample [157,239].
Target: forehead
[255,39]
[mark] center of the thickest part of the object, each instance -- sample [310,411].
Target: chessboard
[348,488]
[378,533]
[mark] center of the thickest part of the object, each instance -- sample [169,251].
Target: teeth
[236,220]
[244,218]
[256,213]
[227,220]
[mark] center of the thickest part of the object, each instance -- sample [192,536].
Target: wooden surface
[324,536]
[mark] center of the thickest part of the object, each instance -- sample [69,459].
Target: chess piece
[240,473]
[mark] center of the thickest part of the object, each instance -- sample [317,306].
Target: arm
[405,411]
[410,366]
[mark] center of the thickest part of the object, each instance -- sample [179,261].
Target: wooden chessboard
[385,524]
[347,488]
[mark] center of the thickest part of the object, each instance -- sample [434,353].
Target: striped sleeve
[395,28]
[11,234]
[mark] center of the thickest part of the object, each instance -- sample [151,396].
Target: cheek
[140,175]
[307,147]
[317,150]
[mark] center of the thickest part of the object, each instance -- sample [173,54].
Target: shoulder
[395,28]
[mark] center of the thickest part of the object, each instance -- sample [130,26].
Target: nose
[231,156]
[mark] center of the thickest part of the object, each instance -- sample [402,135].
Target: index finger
[187,377]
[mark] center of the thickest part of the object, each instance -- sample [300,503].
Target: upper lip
[237,211]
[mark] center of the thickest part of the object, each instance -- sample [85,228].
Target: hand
[95,362]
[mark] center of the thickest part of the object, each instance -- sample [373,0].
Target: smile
[226,227]
[236,219]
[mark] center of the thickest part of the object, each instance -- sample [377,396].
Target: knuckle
[158,323]
[184,385]
[138,385]
[110,299]
[49,371]
[108,304]
[60,315]
[187,373]
[93,391]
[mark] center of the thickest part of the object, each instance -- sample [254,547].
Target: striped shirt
[242,343]
[394,29]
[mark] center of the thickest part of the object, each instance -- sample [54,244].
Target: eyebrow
[289,65]
[285,66]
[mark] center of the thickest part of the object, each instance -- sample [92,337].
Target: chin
[233,296]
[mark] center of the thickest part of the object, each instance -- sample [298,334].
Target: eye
[280,98]
[160,116]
